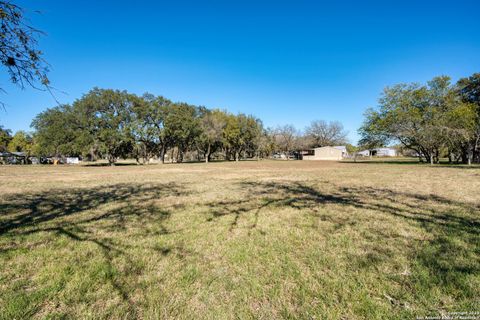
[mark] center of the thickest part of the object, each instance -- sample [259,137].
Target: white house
[364,153]
[384,152]
[72,160]
[379,152]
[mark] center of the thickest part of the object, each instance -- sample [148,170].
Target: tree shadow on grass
[450,254]
[106,164]
[458,166]
[82,215]
[414,162]
[386,161]
[35,209]
[263,195]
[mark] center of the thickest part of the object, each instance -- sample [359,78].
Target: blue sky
[287,62]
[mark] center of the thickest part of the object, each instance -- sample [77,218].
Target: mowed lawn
[247,240]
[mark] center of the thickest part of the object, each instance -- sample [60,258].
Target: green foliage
[212,124]
[351,148]
[432,120]
[429,119]
[232,138]
[266,143]
[58,132]
[113,124]
[469,90]
[182,127]
[21,142]
[240,134]
[105,118]
[148,124]
[5,137]
[250,129]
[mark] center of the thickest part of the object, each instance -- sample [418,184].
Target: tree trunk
[464,155]
[198,154]
[162,154]
[237,155]
[424,153]
[180,155]
[92,154]
[207,155]
[475,150]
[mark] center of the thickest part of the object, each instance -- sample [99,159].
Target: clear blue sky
[283,61]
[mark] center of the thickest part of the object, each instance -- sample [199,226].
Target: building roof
[342,148]
[385,148]
[327,147]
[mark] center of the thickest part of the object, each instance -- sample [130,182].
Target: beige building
[324,153]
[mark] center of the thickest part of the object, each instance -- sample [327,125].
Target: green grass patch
[268,239]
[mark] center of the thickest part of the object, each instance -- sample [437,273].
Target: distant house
[72,160]
[379,152]
[324,153]
[343,149]
[384,152]
[364,153]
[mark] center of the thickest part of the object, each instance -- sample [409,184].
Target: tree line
[114,124]
[435,120]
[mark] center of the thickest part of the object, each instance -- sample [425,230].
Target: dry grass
[285,239]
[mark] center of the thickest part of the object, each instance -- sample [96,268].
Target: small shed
[72,160]
[379,152]
[324,153]
[364,153]
[384,152]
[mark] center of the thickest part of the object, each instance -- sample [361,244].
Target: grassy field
[268,239]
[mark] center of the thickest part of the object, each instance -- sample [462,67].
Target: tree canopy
[115,124]
[430,119]
[5,138]
[21,142]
